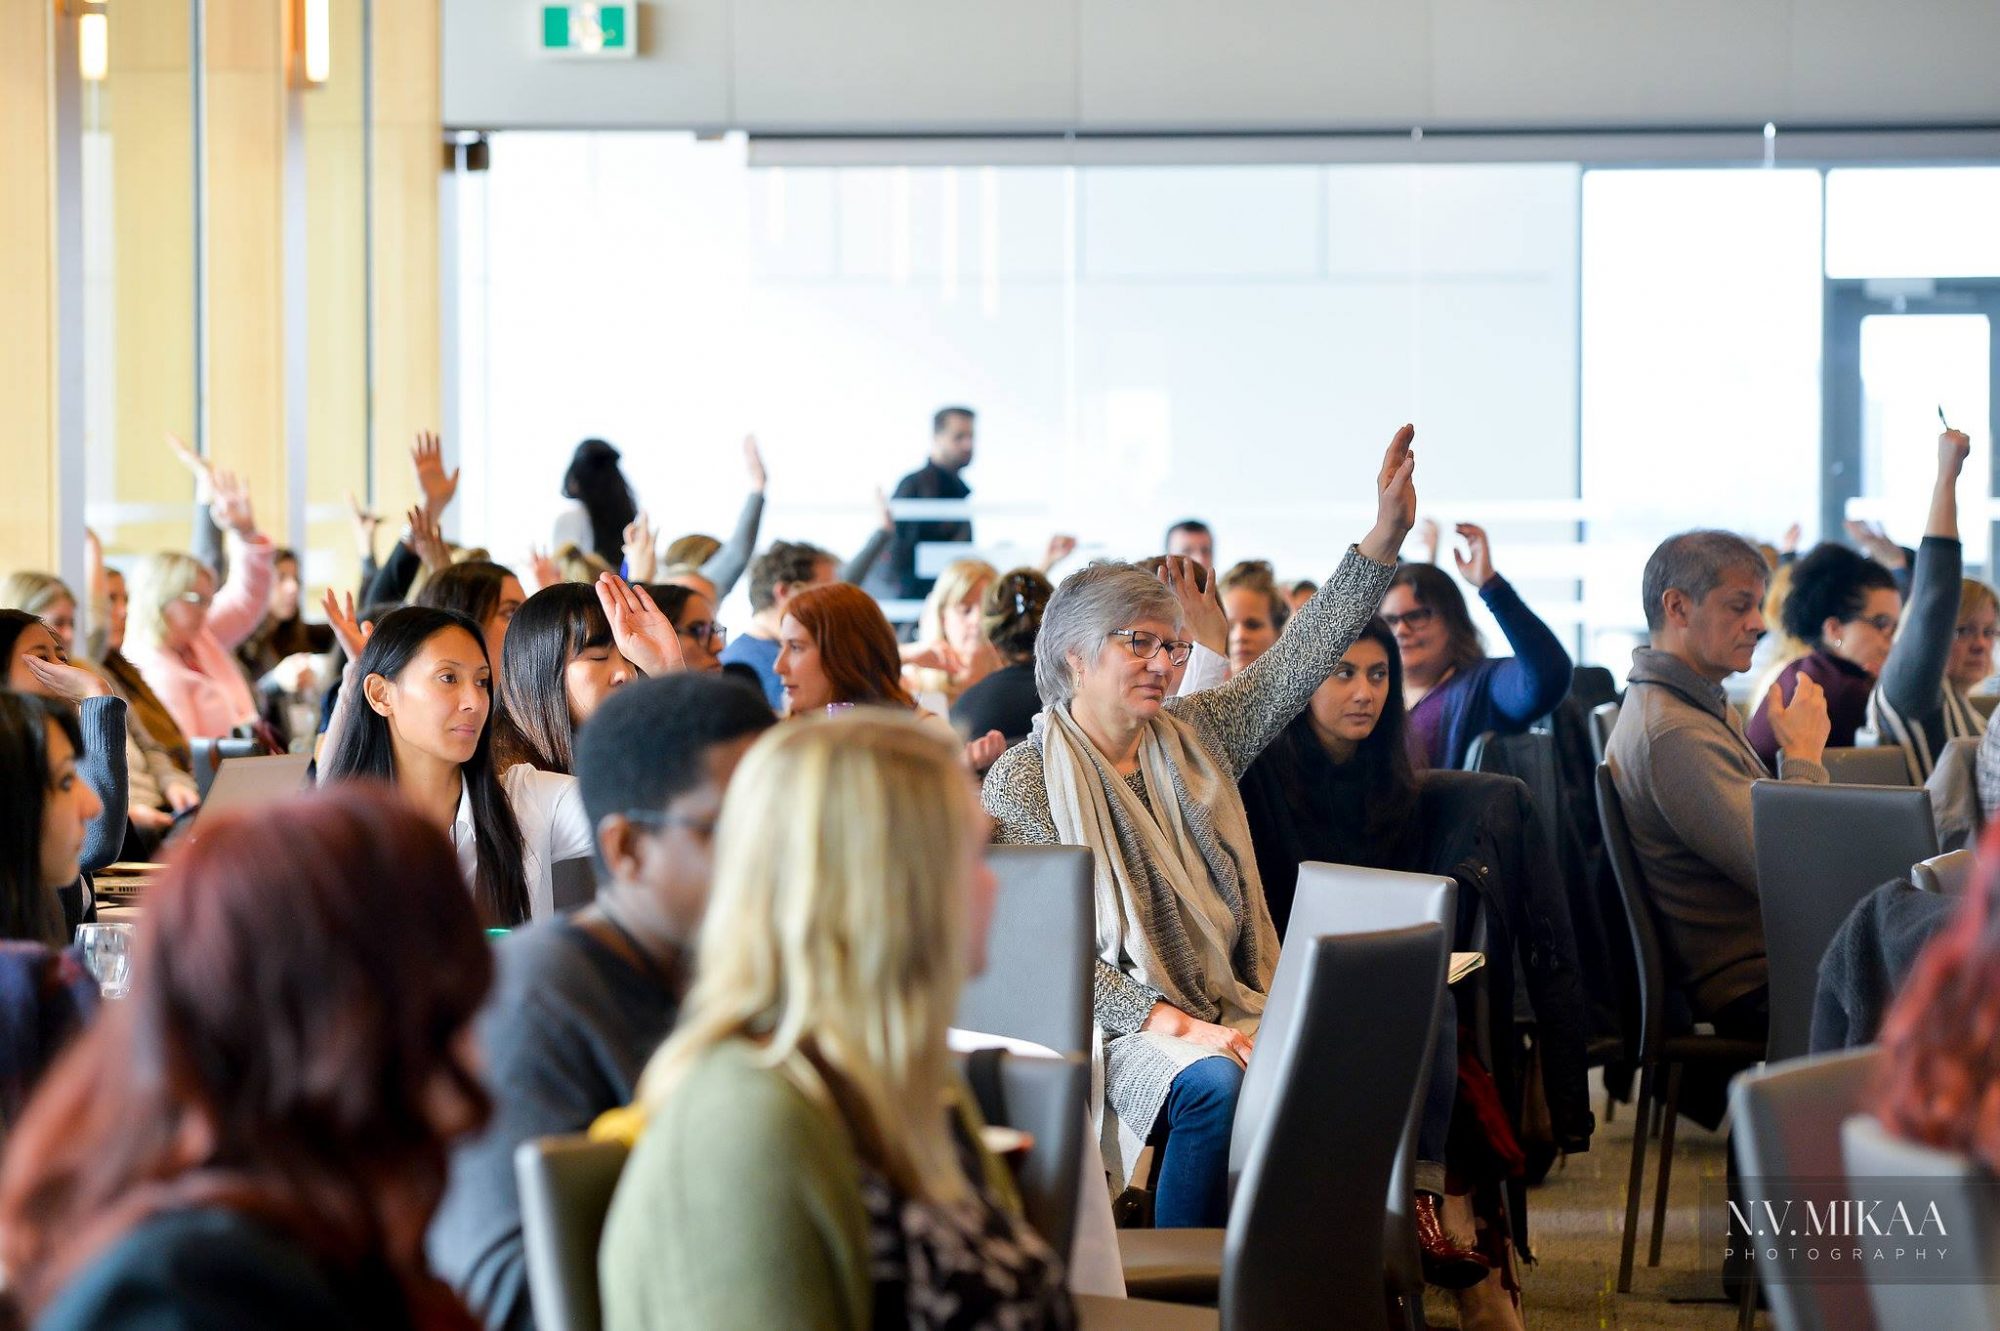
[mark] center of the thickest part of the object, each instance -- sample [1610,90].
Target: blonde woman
[951,652]
[806,1157]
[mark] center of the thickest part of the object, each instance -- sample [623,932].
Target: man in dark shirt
[583,1000]
[951,452]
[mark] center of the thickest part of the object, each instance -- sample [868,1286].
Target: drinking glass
[107,955]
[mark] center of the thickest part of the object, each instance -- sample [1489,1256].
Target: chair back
[1820,850]
[1603,720]
[1881,765]
[566,1185]
[1788,1119]
[1039,952]
[1963,1191]
[1047,1098]
[1945,874]
[1632,895]
[209,754]
[575,884]
[1335,899]
[1304,1243]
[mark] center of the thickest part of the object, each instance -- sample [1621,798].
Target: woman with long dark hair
[32,661]
[565,656]
[1453,689]
[46,812]
[420,719]
[603,503]
[692,613]
[258,1135]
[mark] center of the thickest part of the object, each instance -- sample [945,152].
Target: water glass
[107,955]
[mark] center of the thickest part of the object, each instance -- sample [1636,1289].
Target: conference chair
[1788,1118]
[1881,765]
[1040,951]
[1304,1242]
[1603,720]
[1048,1099]
[1820,850]
[1947,874]
[1185,1265]
[1659,1052]
[574,883]
[210,754]
[1964,1193]
[566,1185]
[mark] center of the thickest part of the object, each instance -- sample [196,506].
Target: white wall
[908,66]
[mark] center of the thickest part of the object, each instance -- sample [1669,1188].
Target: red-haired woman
[836,647]
[258,1136]
[1940,1083]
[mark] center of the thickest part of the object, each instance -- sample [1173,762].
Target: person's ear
[1829,631]
[381,695]
[1674,605]
[618,844]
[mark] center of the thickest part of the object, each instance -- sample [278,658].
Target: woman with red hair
[258,1135]
[835,647]
[1940,1081]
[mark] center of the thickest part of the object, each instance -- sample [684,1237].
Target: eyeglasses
[1967,632]
[1146,645]
[1883,624]
[194,598]
[654,818]
[711,636]
[1416,618]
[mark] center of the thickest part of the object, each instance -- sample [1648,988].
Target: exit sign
[590,30]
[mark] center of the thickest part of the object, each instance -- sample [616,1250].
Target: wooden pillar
[30,520]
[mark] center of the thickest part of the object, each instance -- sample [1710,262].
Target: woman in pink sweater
[183,633]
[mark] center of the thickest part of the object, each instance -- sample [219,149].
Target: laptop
[245,783]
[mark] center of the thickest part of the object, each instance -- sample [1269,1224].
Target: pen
[1941,420]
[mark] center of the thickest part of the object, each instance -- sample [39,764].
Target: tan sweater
[1684,769]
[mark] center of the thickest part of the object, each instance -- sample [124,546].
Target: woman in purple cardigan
[1454,690]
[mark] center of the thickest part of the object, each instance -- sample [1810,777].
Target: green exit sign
[589,30]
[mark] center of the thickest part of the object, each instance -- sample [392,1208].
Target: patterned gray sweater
[1235,721]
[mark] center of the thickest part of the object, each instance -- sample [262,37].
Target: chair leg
[1671,1113]
[1642,1105]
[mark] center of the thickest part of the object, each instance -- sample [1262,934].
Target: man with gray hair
[1683,769]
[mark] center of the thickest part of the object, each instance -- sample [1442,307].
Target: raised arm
[243,601]
[725,567]
[1239,719]
[1531,682]
[871,550]
[1913,676]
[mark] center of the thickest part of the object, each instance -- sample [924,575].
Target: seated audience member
[282,654]
[951,653]
[1300,593]
[418,717]
[1150,786]
[1337,786]
[939,478]
[1010,617]
[781,572]
[1190,538]
[48,816]
[185,633]
[1454,690]
[1944,646]
[601,507]
[1684,769]
[1257,613]
[582,1001]
[692,613]
[807,1156]
[1777,648]
[257,1136]
[48,599]
[566,652]
[32,663]
[484,592]
[110,601]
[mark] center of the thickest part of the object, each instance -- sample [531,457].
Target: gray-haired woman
[1184,941]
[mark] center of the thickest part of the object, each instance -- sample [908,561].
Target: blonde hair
[161,580]
[1789,649]
[962,580]
[34,592]
[835,937]
[1973,596]
[579,565]
[693,550]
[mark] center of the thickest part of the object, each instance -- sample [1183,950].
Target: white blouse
[549,808]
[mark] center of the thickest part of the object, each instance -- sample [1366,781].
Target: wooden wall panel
[28,502]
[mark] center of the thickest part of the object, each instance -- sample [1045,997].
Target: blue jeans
[1434,1110]
[1192,1136]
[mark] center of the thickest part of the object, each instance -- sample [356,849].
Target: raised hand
[1395,499]
[1428,539]
[983,752]
[1788,544]
[1061,546]
[230,506]
[426,540]
[1475,564]
[542,568]
[365,524]
[1954,447]
[1199,592]
[1875,543]
[753,462]
[1801,726]
[351,634]
[196,464]
[641,548]
[427,456]
[639,628]
[882,510]
[65,681]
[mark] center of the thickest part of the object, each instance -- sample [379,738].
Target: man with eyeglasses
[582,1001]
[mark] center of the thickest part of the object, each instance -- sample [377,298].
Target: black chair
[1658,1051]
[1963,1192]
[1603,720]
[1881,765]
[566,1185]
[1820,849]
[1787,1126]
[1304,1244]
[574,883]
[1040,951]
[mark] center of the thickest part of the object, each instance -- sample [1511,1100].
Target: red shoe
[1446,1264]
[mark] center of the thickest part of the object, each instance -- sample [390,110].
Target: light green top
[740,1207]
